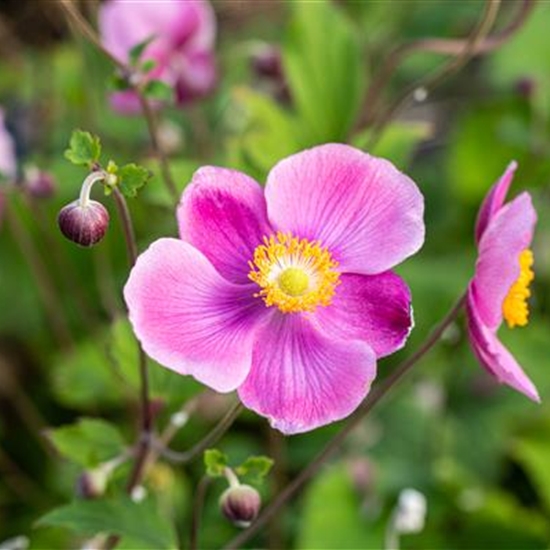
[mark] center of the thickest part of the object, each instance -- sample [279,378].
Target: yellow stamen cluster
[294,274]
[515,309]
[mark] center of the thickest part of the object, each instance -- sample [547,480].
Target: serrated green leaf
[137,51]
[157,89]
[140,523]
[215,462]
[84,148]
[132,178]
[255,468]
[88,442]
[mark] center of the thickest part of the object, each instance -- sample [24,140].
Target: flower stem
[441,46]
[210,439]
[377,394]
[198,505]
[84,28]
[146,419]
[429,82]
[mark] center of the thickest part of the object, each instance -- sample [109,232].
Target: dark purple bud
[525,87]
[91,484]
[39,184]
[240,505]
[266,62]
[84,225]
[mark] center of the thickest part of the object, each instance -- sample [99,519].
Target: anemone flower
[286,295]
[500,287]
[8,160]
[182,34]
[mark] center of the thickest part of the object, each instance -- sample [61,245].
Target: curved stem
[432,80]
[377,394]
[87,184]
[80,23]
[210,439]
[200,496]
[441,46]
[146,419]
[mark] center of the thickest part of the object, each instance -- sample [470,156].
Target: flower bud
[92,483]
[84,225]
[240,504]
[266,62]
[39,183]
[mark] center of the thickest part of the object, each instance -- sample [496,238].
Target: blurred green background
[479,452]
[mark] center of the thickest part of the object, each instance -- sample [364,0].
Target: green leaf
[331,516]
[157,89]
[139,523]
[84,148]
[215,462]
[148,65]
[88,442]
[132,178]
[137,51]
[255,468]
[325,70]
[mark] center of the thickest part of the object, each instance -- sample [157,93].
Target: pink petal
[494,200]
[494,356]
[196,77]
[8,160]
[372,308]
[302,379]
[362,208]
[190,319]
[509,232]
[223,214]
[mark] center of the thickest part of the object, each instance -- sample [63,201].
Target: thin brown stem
[432,80]
[207,441]
[78,22]
[198,506]
[46,287]
[441,46]
[335,443]
[146,420]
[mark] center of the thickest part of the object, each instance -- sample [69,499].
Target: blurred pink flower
[288,295]
[183,35]
[8,160]
[500,286]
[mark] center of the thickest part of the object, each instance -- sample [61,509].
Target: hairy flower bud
[84,225]
[240,504]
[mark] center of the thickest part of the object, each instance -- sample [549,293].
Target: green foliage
[255,468]
[215,462]
[131,178]
[84,149]
[88,442]
[331,515]
[322,60]
[137,51]
[159,90]
[140,524]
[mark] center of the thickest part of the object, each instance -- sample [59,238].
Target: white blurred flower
[410,513]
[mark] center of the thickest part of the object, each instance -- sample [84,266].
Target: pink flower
[500,287]
[183,33]
[286,295]
[8,160]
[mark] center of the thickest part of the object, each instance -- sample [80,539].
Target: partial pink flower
[500,287]
[8,160]
[287,294]
[183,35]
